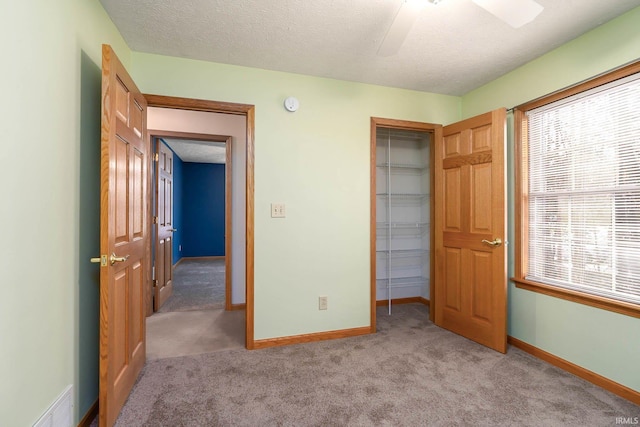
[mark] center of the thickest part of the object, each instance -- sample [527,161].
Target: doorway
[468,268]
[192,220]
[402,268]
[246,114]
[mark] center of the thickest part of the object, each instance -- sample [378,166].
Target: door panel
[451,145]
[452,193]
[452,277]
[124,241]
[471,276]
[137,188]
[482,294]
[137,307]
[121,166]
[119,356]
[481,139]
[163,287]
[481,214]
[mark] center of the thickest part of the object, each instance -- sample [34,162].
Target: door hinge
[156,157]
[155,219]
[155,283]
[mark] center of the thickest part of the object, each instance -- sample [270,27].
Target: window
[579,191]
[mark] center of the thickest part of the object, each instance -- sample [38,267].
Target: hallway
[198,284]
[193,320]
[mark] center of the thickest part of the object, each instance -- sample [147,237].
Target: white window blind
[584,191]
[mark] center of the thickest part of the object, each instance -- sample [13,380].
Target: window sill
[625,308]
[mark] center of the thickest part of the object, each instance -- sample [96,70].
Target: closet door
[470,227]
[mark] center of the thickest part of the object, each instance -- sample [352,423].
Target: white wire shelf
[404,282]
[401,230]
[405,196]
[402,225]
[403,253]
[402,166]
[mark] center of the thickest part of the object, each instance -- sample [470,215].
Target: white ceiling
[454,46]
[197,151]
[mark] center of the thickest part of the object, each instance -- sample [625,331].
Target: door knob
[113,258]
[494,243]
[173,230]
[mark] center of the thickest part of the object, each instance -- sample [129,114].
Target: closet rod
[389,220]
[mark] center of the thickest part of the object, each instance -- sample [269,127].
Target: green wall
[609,46]
[601,341]
[316,161]
[51,124]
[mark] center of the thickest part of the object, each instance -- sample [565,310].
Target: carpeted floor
[193,319]
[183,333]
[198,284]
[411,373]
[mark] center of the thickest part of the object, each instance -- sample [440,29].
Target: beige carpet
[411,373]
[184,333]
[198,284]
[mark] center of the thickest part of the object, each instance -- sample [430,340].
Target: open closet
[403,214]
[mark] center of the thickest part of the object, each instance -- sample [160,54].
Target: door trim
[436,131]
[248,111]
[227,198]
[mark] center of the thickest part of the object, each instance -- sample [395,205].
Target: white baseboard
[60,413]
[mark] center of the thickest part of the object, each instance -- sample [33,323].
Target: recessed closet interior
[403,214]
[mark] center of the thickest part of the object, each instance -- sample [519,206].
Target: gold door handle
[494,243]
[113,258]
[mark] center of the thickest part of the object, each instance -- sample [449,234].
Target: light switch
[277,210]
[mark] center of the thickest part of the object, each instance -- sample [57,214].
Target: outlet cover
[322,303]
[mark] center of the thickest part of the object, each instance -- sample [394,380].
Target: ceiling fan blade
[400,27]
[514,12]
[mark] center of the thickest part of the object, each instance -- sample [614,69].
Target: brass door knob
[113,258]
[497,242]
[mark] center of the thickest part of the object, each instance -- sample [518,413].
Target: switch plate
[277,210]
[322,303]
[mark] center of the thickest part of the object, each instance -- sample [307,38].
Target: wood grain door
[124,236]
[163,286]
[470,227]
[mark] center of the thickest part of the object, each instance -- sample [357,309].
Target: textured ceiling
[454,46]
[197,151]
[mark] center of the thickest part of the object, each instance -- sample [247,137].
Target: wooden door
[124,238]
[163,285]
[470,227]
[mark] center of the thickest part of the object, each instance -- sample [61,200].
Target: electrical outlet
[180,248]
[322,303]
[277,210]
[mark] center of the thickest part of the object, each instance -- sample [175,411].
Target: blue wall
[203,213]
[177,207]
